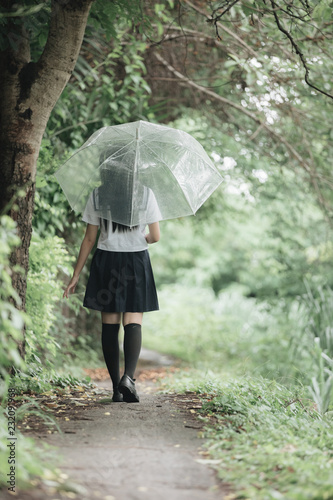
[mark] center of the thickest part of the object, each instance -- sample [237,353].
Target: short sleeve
[89,215]
[153,211]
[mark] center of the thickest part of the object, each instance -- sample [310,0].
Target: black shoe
[117,397]
[127,387]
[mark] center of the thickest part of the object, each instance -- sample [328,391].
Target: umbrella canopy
[122,166]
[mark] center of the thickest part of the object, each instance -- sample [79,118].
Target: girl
[121,281]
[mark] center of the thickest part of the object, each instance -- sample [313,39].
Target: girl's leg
[111,318]
[132,341]
[110,347]
[132,318]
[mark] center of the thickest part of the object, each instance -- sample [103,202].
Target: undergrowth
[34,462]
[267,440]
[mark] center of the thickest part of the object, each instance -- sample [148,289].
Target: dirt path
[120,451]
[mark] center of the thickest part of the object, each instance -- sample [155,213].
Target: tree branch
[224,28]
[298,51]
[275,9]
[280,139]
[57,62]
[215,20]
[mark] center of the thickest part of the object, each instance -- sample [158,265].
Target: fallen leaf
[51,405]
[79,388]
[105,401]
[60,390]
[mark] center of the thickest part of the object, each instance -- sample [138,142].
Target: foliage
[316,308]
[37,379]
[322,384]
[53,223]
[266,230]
[231,278]
[52,213]
[267,237]
[30,464]
[47,330]
[263,438]
[11,319]
[35,21]
[230,331]
[291,21]
[107,88]
[56,336]
[254,82]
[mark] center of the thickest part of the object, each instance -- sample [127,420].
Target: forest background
[247,284]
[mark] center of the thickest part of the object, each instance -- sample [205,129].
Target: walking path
[133,451]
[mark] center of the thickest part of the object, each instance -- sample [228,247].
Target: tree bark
[28,92]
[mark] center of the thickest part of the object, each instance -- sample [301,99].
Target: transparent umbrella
[121,166]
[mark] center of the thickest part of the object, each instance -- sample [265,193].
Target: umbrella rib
[81,191]
[212,167]
[186,198]
[135,169]
[99,167]
[100,132]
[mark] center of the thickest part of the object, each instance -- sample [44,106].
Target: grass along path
[265,440]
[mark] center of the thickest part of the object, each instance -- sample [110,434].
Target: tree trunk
[28,92]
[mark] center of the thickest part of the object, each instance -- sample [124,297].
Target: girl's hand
[71,286]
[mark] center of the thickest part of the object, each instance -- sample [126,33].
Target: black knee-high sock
[132,347]
[110,346]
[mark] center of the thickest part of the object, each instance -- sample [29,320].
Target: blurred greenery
[12,320]
[245,286]
[11,324]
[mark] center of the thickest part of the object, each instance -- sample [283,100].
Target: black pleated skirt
[121,282]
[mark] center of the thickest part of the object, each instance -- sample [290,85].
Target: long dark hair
[116,226]
[111,197]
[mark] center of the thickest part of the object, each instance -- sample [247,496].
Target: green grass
[269,441]
[229,330]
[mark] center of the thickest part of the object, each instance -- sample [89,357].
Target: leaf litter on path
[69,403]
[146,437]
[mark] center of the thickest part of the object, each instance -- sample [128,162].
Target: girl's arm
[86,247]
[154,233]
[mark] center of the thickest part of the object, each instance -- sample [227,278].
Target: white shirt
[125,241]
